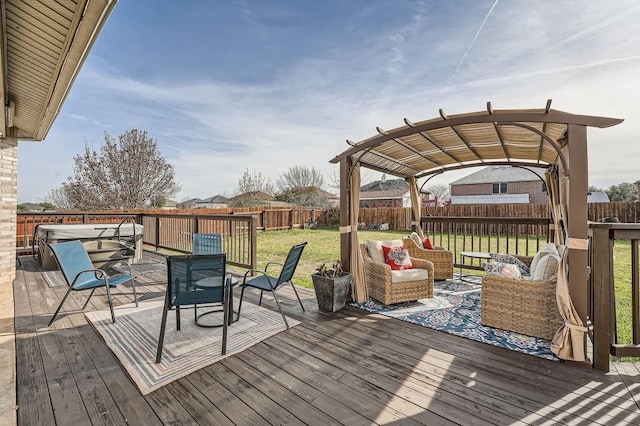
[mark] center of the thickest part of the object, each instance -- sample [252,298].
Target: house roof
[215,199]
[597,197]
[532,137]
[496,174]
[327,195]
[390,184]
[44,46]
[387,194]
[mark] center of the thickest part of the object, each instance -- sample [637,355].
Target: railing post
[602,273]
[157,236]
[254,242]
[635,292]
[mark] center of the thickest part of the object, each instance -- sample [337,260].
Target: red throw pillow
[397,257]
[427,243]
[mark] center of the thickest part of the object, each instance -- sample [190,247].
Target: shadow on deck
[351,367]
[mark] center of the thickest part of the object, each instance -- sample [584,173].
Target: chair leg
[279,307]
[135,296]
[260,301]
[178,317]
[225,302]
[163,325]
[59,307]
[113,316]
[240,304]
[296,292]
[87,301]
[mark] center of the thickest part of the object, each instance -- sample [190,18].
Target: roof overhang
[531,137]
[42,48]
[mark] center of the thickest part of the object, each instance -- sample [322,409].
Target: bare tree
[300,177]
[58,198]
[254,182]
[439,191]
[127,173]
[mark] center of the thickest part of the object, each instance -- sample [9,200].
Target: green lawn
[324,246]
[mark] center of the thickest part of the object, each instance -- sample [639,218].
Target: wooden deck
[351,368]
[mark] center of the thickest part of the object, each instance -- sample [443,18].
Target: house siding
[533,188]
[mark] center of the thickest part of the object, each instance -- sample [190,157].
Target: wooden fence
[272,218]
[400,217]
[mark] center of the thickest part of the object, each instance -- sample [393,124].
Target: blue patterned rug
[455,309]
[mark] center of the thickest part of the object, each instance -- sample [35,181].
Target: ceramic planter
[331,293]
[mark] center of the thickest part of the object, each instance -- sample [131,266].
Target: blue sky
[229,85]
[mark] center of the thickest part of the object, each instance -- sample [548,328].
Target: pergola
[546,138]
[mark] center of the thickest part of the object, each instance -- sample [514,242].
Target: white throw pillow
[547,268]
[374,248]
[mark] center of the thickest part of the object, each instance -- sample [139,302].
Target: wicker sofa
[442,259]
[522,305]
[389,287]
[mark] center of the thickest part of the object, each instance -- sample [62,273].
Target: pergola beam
[483,117]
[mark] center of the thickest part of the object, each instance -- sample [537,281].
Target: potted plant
[331,286]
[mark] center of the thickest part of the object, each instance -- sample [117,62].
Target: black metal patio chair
[196,280]
[264,281]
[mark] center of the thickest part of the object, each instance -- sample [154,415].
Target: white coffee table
[471,255]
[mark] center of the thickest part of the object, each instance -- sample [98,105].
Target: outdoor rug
[133,339]
[455,309]
[145,273]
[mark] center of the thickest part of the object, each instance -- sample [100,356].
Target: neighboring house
[389,193]
[334,200]
[189,204]
[215,202]
[597,197]
[169,205]
[501,184]
[252,199]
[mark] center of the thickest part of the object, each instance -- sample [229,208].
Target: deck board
[351,367]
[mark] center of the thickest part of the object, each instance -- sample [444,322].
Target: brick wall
[8,202]
[533,188]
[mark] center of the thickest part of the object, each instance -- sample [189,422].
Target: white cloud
[585,57]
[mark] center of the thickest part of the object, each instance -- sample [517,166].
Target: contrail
[471,44]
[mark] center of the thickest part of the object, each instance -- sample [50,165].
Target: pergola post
[345,207]
[577,228]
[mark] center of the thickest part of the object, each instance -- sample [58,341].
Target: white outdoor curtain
[416,205]
[358,283]
[568,343]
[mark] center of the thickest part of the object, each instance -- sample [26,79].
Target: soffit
[45,45]
[532,137]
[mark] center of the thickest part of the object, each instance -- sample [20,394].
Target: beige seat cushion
[402,276]
[416,239]
[374,248]
[548,248]
[547,268]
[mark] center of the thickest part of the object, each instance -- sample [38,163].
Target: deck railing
[514,235]
[174,232]
[603,303]
[169,232]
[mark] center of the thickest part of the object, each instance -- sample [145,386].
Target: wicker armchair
[521,305]
[381,287]
[442,259]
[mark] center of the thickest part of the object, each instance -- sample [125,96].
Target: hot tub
[103,241]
